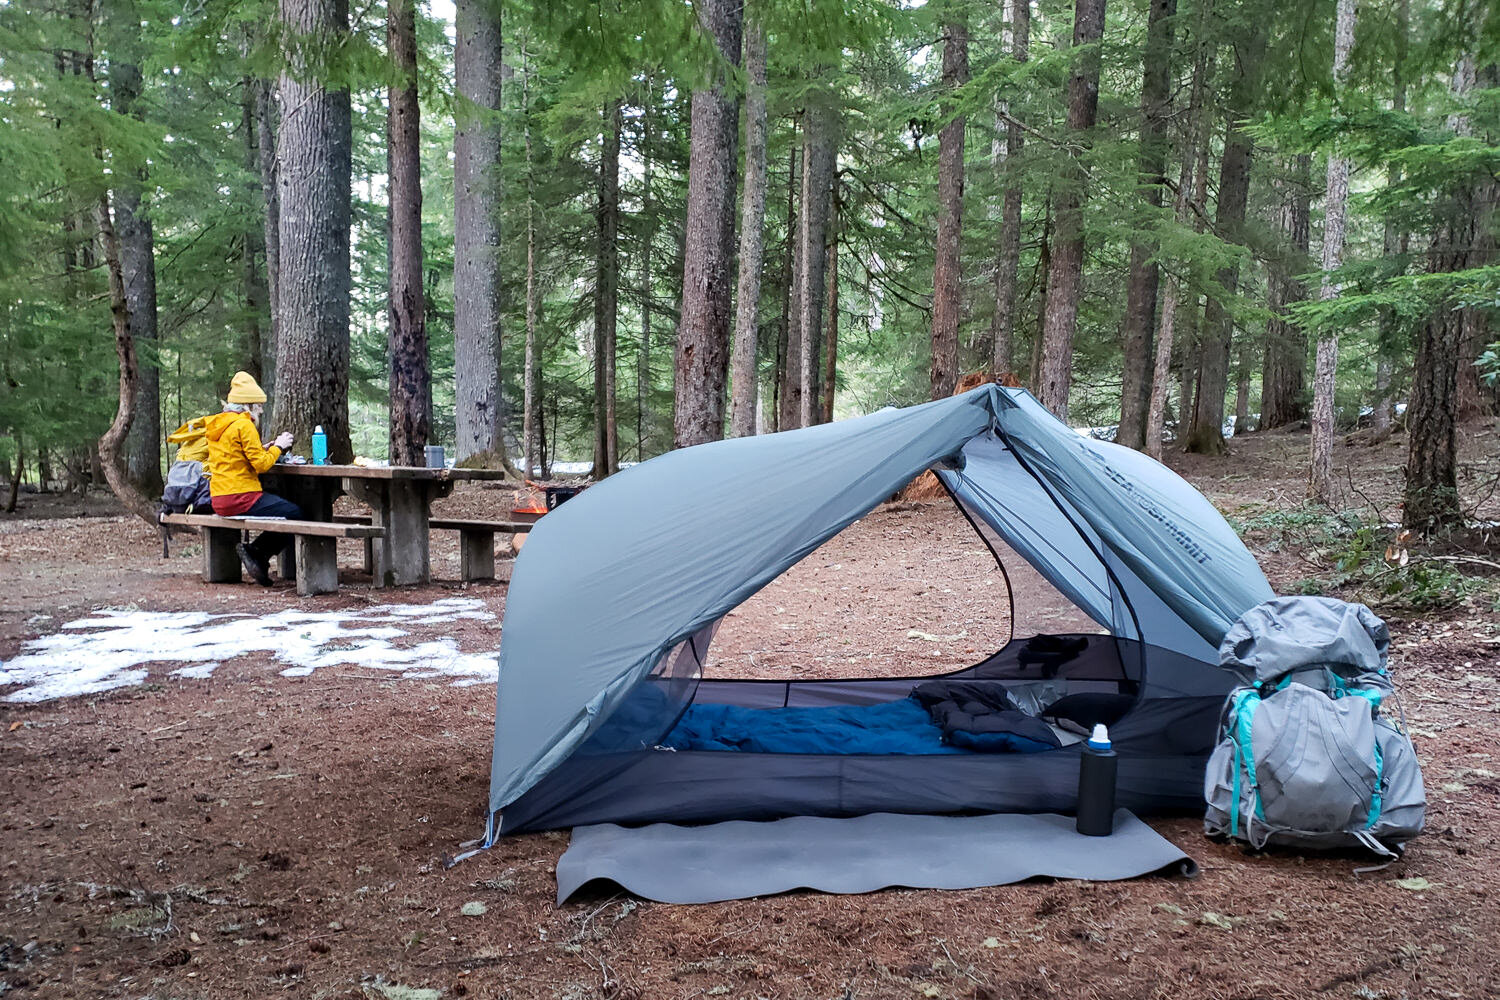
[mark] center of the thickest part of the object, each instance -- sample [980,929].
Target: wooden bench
[316,565]
[476,542]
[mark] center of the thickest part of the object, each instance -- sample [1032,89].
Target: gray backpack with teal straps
[1308,756]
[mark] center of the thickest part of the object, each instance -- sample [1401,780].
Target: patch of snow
[576,468]
[107,650]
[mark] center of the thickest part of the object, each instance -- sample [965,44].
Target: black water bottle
[1096,785]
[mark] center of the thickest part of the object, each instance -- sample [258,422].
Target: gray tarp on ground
[740,860]
[625,571]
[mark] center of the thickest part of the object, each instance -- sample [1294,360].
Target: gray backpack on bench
[186,489]
[1308,756]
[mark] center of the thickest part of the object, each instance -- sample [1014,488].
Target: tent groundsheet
[670,863]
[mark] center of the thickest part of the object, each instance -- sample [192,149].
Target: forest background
[538,232]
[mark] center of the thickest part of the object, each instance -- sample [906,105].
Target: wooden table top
[383,472]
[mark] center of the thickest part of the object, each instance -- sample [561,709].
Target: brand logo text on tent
[1146,504]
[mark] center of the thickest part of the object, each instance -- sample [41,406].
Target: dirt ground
[249,834]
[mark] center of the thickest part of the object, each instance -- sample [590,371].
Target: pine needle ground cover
[247,832]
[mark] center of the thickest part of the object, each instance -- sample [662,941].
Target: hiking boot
[257,569]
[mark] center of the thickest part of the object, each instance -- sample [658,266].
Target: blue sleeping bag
[896,727]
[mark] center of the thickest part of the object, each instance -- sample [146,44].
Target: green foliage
[1489,365]
[63,142]
[1359,559]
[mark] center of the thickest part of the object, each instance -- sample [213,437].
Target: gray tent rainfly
[617,594]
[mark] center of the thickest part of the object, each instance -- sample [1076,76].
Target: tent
[615,599]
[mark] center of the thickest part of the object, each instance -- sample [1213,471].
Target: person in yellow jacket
[236,459]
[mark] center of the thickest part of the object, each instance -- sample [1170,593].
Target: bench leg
[317,565]
[369,548]
[287,562]
[221,564]
[476,555]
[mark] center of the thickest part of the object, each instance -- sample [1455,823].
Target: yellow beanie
[244,389]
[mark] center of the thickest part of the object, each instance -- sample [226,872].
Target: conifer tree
[1065,269]
[1320,477]
[947,296]
[703,329]
[314,162]
[744,378]
[477,67]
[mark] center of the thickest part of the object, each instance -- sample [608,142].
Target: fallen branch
[1475,560]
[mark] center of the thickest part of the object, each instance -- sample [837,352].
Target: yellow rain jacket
[191,440]
[235,456]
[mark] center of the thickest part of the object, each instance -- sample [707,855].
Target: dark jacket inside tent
[616,597]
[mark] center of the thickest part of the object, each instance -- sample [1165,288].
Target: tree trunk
[1431,504]
[138,271]
[1141,285]
[265,138]
[410,377]
[477,76]
[1285,366]
[789,403]
[606,293]
[611,368]
[1040,274]
[253,256]
[548,456]
[1190,362]
[113,441]
[820,147]
[1471,403]
[137,258]
[15,479]
[1191,174]
[1161,373]
[1394,243]
[831,337]
[1325,376]
[947,283]
[744,376]
[314,169]
[643,362]
[1242,392]
[1003,323]
[532,377]
[1205,434]
[702,363]
[1065,274]
[1474,400]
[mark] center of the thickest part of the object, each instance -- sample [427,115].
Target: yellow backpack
[191,440]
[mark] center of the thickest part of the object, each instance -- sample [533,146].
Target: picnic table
[400,501]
